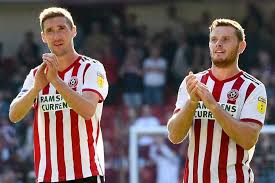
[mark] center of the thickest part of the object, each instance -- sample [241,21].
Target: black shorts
[93,179]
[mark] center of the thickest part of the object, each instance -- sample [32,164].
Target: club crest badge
[73,82]
[232,95]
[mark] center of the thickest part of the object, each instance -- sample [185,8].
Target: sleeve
[95,80]
[28,84]
[254,108]
[183,96]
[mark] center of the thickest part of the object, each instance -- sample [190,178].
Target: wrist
[55,81]
[193,102]
[35,91]
[213,107]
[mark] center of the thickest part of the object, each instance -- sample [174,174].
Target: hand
[207,97]
[40,80]
[191,85]
[51,70]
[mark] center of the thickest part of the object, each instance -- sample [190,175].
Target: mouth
[219,51]
[58,44]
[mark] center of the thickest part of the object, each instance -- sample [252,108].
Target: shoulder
[249,78]
[88,60]
[34,70]
[202,73]
[91,62]
[199,75]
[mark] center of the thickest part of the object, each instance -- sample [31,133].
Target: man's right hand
[191,85]
[40,78]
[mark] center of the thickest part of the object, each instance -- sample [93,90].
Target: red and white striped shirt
[213,157]
[66,146]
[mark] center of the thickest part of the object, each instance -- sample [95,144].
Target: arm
[234,128]
[22,104]
[84,104]
[180,123]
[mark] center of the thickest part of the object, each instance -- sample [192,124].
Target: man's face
[224,46]
[58,35]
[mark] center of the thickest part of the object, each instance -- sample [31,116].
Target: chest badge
[232,95]
[73,82]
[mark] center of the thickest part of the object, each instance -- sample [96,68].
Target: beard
[225,62]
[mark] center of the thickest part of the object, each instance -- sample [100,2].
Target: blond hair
[228,22]
[55,12]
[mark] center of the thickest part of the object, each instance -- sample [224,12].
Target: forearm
[21,106]
[76,101]
[244,134]
[180,123]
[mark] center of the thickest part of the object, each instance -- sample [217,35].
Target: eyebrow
[59,26]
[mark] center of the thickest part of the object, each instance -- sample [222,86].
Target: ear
[43,37]
[74,31]
[242,46]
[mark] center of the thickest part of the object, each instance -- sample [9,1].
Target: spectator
[146,120]
[28,51]
[166,160]
[154,78]
[131,74]
[181,63]
[111,65]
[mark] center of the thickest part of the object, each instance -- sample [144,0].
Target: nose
[219,43]
[56,36]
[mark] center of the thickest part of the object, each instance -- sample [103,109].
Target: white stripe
[80,76]
[202,148]
[245,173]
[98,149]
[247,157]
[53,148]
[215,153]
[41,134]
[98,179]
[191,150]
[214,178]
[84,150]
[68,149]
[52,139]
[231,161]
[95,158]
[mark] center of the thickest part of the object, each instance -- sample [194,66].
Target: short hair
[228,22]
[55,12]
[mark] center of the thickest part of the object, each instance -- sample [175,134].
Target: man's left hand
[51,70]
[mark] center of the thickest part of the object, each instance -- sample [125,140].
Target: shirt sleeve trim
[252,120]
[95,91]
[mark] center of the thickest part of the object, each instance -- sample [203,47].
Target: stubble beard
[223,63]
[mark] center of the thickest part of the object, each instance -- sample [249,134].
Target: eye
[213,40]
[49,30]
[61,28]
[225,38]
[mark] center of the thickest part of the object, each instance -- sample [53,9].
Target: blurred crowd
[144,70]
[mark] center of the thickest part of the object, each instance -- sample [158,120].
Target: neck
[66,60]
[225,73]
